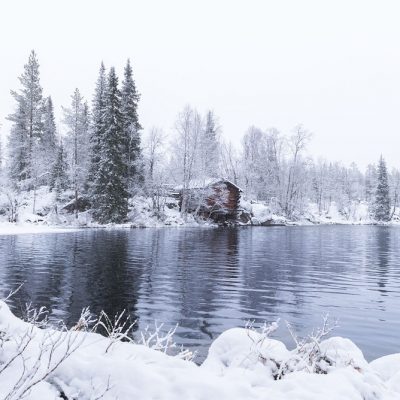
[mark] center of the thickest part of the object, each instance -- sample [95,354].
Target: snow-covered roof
[204,183]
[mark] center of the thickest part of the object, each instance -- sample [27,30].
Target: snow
[356,214]
[206,182]
[238,366]
[143,215]
[8,228]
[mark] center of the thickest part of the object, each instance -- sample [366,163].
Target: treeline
[100,155]
[276,168]
[103,160]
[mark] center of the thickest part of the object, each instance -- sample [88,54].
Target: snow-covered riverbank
[142,215]
[8,228]
[41,364]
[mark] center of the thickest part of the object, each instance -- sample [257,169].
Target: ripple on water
[211,280]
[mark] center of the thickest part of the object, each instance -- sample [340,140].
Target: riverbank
[38,214]
[42,363]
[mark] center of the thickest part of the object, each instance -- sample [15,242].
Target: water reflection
[209,280]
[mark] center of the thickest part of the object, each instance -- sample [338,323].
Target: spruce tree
[382,195]
[131,129]
[209,148]
[17,145]
[59,181]
[110,196]
[76,120]
[27,130]
[49,135]
[97,127]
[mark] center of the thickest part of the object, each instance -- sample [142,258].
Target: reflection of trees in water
[208,269]
[38,262]
[68,272]
[191,270]
[205,279]
[112,283]
[378,267]
[270,260]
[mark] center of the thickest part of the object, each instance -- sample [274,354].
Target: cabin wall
[220,202]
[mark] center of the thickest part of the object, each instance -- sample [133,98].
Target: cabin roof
[207,182]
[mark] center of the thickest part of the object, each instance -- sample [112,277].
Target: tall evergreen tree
[27,130]
[76,119]
[17,145]
[110,196]
[59,181]
[370,182]
[382,195]
[210,147]
[131,128]
[97,127]
[49,135]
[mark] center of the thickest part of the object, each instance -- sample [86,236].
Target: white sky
[332,65]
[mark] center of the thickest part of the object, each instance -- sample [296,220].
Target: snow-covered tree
[382,194]
[49,139]
[59,181]
[110,195]
[1,154]
[154,156]
[76,119]
[394,182]
[97,126]
[229,162]
[189,128]
[17,145]
[131,129]
[253,161]
[153,152]
[209,147]
[295,176]
[370,182]
[27,130]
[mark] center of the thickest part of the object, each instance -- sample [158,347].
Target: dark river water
[209,280]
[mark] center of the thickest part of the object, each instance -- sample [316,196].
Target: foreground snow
[241,364]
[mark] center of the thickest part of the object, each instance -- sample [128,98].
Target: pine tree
[209,147]
[17,145]
[370,182]
[27,130]
[1,155]
[97,127]
[49,135]
[59,181]
[110,196]
[76,119]
[131,129]
[382,195]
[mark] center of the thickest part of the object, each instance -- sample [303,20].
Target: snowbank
[7,228]
[357,213]
[240,365]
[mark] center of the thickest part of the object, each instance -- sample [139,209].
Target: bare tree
[297,144]
[188,127]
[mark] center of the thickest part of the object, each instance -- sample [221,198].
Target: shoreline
[13,228]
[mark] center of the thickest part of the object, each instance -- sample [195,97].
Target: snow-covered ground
[38,214]
[41,364]
[357,214]
[8,228]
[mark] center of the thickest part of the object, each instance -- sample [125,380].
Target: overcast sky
[333,66]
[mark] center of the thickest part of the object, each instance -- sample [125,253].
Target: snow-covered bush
[242,364]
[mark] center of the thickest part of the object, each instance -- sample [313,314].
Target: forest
[106,162]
